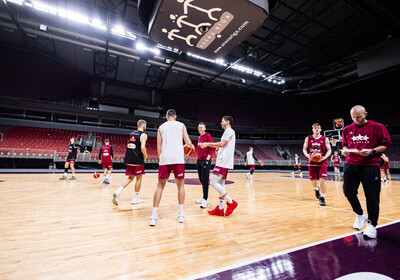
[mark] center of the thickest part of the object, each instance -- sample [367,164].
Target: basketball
[315,157]
[188,151]
[261,163]
[96,175]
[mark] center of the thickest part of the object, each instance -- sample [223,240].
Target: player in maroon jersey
[106,157]
[336,161]
[318,170]
[363,143]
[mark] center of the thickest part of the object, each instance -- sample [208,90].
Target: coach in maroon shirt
[204,163]
[363,143]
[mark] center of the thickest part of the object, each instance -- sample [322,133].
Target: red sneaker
[217,212]
[230,208]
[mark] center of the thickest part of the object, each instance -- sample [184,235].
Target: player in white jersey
[250,160]
[225,161]
[170,152]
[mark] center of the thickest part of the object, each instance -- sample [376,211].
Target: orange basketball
[96,175]
[261,163]
[315,157]
[188,151]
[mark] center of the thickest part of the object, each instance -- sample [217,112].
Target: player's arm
[112,153]
[159,142]
[305,148]
[186,138]
[328,150]
[210,150]
[219,144]
[143,145]
[245,159]
[254,156]
[100,152]
[331,158]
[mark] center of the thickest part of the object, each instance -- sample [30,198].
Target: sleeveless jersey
[106,154]
[336,159]
[316,145]
[172,144]
[133,154]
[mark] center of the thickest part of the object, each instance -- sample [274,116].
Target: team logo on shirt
[360,138]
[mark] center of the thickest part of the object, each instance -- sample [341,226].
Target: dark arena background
[92,69]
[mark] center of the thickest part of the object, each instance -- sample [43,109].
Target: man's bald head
[358,114]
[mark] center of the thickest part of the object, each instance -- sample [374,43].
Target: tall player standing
[106,157]
[135,155]
[224,162]
[318,170]
[71,158]
[170,152]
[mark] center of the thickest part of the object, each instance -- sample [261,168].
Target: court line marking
[20,190]
[36,195]
[305,202]
[240,264]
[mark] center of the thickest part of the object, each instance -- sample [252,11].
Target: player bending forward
[225,160]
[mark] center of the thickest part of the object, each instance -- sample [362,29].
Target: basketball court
[52,228]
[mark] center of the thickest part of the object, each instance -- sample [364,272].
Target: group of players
[171,159]
[360,150]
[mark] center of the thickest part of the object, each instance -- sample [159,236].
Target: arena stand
[27,142]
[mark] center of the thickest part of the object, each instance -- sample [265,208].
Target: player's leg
[179,173]
[66,166]
[205,183]
[199,165]
[124,184]
[163,175]
[372,189]
[72,166]
[138,184]
[218,183]
[351,182]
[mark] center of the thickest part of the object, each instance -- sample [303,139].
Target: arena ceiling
[304,47]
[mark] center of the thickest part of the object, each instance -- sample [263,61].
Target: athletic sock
[107,176]
[154,213]
[181,208]
[119,190]
[221,204]
[322,195]
[228,199]
[65,174]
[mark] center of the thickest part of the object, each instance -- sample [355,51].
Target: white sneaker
[370,231]
[360,221]
[251,178]
[247,175]
[137,200]
[115,199]
[204,203]
[200,201]
[181,217]
[301,175]
[153,221]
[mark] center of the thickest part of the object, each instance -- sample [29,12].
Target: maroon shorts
[134,170]
[317,172]
[297,166]
[382,168]
[106,165]
[252,167]
[221,171]
[72,160]
[336,165]
[165,170]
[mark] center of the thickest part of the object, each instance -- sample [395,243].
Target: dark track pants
[370,178]
[203,170]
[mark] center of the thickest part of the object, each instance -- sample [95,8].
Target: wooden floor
[53,229]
